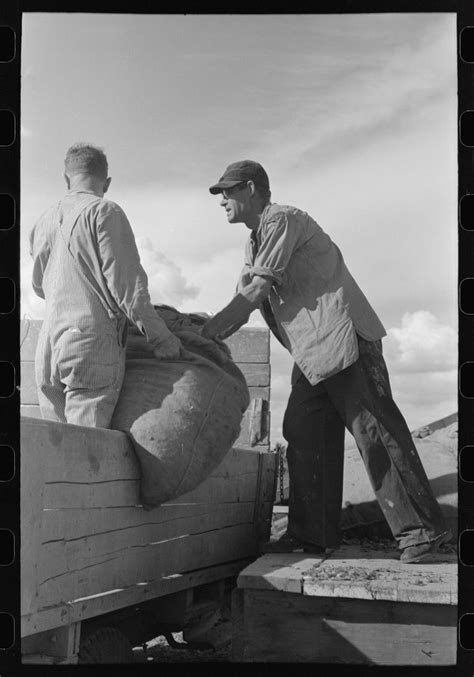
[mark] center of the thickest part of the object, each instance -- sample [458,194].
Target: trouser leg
[94,407]
[362,396]
[50,390]
[52,402]
[315,435]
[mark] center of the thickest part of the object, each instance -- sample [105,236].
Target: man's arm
[237,312]
[40,250]
[128,282]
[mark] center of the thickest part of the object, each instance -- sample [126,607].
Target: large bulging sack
[361,514]
[182,415]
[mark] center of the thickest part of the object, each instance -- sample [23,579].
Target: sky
[353,116]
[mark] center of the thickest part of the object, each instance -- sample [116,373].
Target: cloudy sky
[353,116]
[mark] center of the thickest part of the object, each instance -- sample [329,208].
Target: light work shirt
[91,277]
[315,307]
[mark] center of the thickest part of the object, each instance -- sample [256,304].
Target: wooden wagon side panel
[250,349]
[93,542]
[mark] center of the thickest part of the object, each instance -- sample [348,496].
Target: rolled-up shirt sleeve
[125,276]
[278,240]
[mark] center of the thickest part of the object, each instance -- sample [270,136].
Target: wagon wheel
[106,645]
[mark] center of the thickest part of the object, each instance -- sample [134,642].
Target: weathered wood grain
[63,556]
[256,374]
[250,344]
[123,567]
[96,529]
[30,410]
[87,545]
[99,546]
[117,493]
[82,608]
[286,627]
[99,455]
[32,470]
[77,523]
[354,572]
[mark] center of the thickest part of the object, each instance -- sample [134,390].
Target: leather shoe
[414,554]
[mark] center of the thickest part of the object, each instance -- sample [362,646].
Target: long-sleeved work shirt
[92,277]
[315,307]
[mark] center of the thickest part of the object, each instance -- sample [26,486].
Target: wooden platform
[357,605]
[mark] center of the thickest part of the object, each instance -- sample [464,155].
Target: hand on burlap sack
[169,349]
[218,352]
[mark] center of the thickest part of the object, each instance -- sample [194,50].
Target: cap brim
[222,185]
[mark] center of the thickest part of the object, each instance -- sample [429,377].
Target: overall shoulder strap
[67,220]
[68,217]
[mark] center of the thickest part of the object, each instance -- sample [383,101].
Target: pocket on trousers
[87,360]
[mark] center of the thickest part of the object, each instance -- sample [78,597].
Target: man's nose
[223,201]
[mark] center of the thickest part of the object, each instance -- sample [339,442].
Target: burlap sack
[183,415]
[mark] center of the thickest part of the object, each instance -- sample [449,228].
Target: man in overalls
[298,278]
[87,268]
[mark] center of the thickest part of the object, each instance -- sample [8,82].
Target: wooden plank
[352,572]
[100,455]
[60,557]
[79,454]
[247,427]
[282,572]
[269,468]
[287,627]
[62,643]
[442,422]
[135,526]
[125,567]
[378,574]
[32,411]
[256,374]
[119,493]
[250,344]
[80,609]
[76,523]
[32,470]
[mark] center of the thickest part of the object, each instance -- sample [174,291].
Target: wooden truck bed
[88,547]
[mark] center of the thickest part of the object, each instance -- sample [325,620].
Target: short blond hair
[84,158]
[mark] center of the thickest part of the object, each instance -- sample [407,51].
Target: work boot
[424,552]
[288,543]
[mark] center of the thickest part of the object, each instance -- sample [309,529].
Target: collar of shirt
[254,233]
[90,192]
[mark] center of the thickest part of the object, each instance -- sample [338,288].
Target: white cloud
[166,282]
[421,344]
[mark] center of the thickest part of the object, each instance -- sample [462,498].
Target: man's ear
[68,182]
[251,187]
[107,184]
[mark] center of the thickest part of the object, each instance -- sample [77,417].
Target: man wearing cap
[87,268]
[297,277]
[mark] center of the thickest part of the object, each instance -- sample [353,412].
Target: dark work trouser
[360,399]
